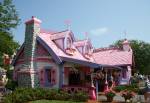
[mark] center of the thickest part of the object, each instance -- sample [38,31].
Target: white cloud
[99,31]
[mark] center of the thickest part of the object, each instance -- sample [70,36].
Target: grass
[52,101]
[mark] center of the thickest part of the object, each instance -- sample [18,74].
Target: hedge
[24,95]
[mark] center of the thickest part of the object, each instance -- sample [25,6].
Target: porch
[92,80]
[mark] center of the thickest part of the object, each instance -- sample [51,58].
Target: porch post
[129,72]
[106,82]
[97,89]
[61,75]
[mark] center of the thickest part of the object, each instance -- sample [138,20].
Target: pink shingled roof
[109,56]
[82,42]
[48,40]
[113,56]
[43,31]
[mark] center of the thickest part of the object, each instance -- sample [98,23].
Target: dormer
[84,47]
[68,45]
[126,45]
[64,40]
[87,50]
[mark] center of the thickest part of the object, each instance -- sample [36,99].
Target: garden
[45,95]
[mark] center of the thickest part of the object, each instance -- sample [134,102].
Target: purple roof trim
[55,57]
[90,64]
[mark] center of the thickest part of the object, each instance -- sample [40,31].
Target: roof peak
[125,41]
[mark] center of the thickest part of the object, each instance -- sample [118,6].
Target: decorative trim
[69,51]
[86,63]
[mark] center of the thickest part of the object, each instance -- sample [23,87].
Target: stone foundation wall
[24,80]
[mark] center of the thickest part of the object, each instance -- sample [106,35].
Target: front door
[74,78]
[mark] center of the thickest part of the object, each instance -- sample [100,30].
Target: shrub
[132,87]
[23,95]
[11,84]
[110,94]
[127,94]
[119,88]
[63,95]
[80,96]
[141,91]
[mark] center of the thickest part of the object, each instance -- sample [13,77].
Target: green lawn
[53,101]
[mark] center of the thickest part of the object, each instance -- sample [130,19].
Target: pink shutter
[53,76]
[41,77]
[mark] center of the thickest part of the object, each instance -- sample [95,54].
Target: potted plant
[110,96]
[127,95]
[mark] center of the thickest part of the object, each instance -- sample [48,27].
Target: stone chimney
[126,45]
[31,32]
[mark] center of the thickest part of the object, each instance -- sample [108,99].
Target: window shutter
[42,77]
[53,76]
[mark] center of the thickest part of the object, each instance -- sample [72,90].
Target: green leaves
[8,20]
[8,16]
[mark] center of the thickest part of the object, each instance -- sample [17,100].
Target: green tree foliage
[141,51]
[8,20]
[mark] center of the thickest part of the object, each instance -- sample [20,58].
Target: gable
[60,39]
[41,51]
[59,43]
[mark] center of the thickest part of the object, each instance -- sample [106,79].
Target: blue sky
[104,20]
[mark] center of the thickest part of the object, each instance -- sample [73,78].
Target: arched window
[67,43]
[86,49]
[68,46]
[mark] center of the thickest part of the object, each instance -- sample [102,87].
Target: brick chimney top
[33,20]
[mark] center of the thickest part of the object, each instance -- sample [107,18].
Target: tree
[141,52]
[8,20]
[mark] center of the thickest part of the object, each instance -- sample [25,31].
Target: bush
[141,91]
[80,96]
[11,84]
[23,95]
[119,88]
[110,94]
[132,87]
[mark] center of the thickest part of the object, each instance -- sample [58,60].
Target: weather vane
[125,34]
[86,35]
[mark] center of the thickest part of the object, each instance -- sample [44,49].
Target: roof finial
[68,24]
[86,35]
[125,34]
[32,17]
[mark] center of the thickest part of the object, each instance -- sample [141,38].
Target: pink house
[58,60]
